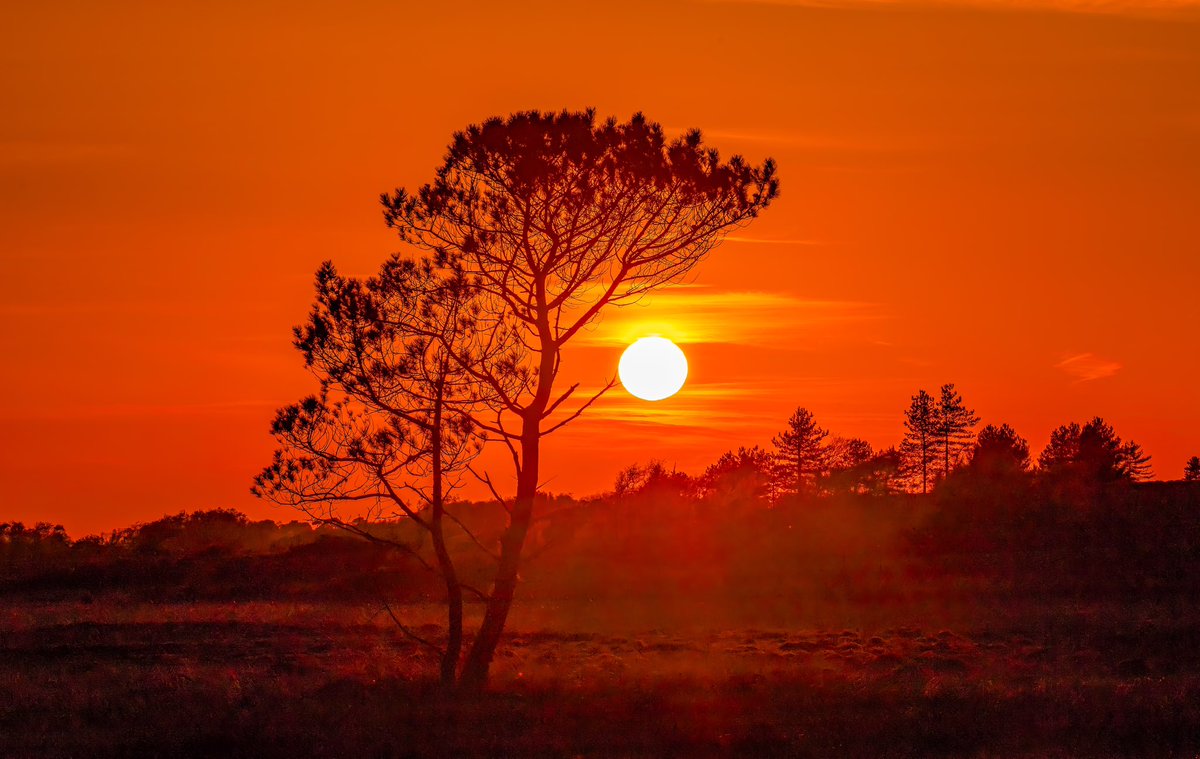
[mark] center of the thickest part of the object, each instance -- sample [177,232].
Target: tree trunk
[801,480]
[924,466]
[946,455]
[454,597]
[483,648]
[454,603]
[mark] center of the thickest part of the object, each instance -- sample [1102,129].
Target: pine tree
[954,424]
[1191,470]
[800,455]
[1133,463]
[920,437]
[1095,452]
[1062,449]
[741,477]
[1000,450]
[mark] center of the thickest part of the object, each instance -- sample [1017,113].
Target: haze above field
[998,195]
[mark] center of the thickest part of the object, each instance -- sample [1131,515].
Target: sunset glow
[1002,195]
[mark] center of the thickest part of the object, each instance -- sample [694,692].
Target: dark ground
[125,679]
[981,624]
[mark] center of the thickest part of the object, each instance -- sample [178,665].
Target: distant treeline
[814,515]
[206,554]
[662,538]
[939,441]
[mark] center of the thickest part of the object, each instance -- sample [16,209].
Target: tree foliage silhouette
[1062,449]
[1093,452]
[994,484]
[653,477]
[999,451]
[555,217]
[1191,470]
[920,437]
[739,477]
[881,474]
[846,461]
[953,425]
[390,429]
[800,454]
[21,543]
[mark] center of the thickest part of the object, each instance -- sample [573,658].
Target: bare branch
[409,633]
[491,554]
[575,415]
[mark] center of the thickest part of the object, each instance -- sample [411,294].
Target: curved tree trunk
[483,648]
[454,602]
[454,597]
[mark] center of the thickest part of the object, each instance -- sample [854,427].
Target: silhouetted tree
[555,217]
[920,437]
[953,425]
[847,461]
[800,454]
[1134,463]
[999,451]
[1063,448]
[21,544]
[1093,452]
[654,476]
[882,473]
[739,478]
[1191,470]
[183,533]
[844,453]
[389,429]
[988,495]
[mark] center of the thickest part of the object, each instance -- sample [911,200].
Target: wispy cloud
[702,409]
[1085,367]
[695,314]
[1109,7]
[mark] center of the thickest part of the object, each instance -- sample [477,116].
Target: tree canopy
[1094,452]
[920,437]
[800,453]
[1191,470]
[999,451]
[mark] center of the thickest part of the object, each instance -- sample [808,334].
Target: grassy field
[117,677]
[644,627]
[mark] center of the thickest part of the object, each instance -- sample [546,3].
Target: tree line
[940,439]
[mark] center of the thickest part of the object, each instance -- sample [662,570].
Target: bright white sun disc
[653,368]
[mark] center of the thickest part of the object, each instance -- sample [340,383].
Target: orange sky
[1001,194]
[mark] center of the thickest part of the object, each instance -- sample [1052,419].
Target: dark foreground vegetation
[1050,619]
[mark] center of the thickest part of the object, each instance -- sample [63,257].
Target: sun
[653,368]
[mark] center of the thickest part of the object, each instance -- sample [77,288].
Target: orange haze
[1002,194]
